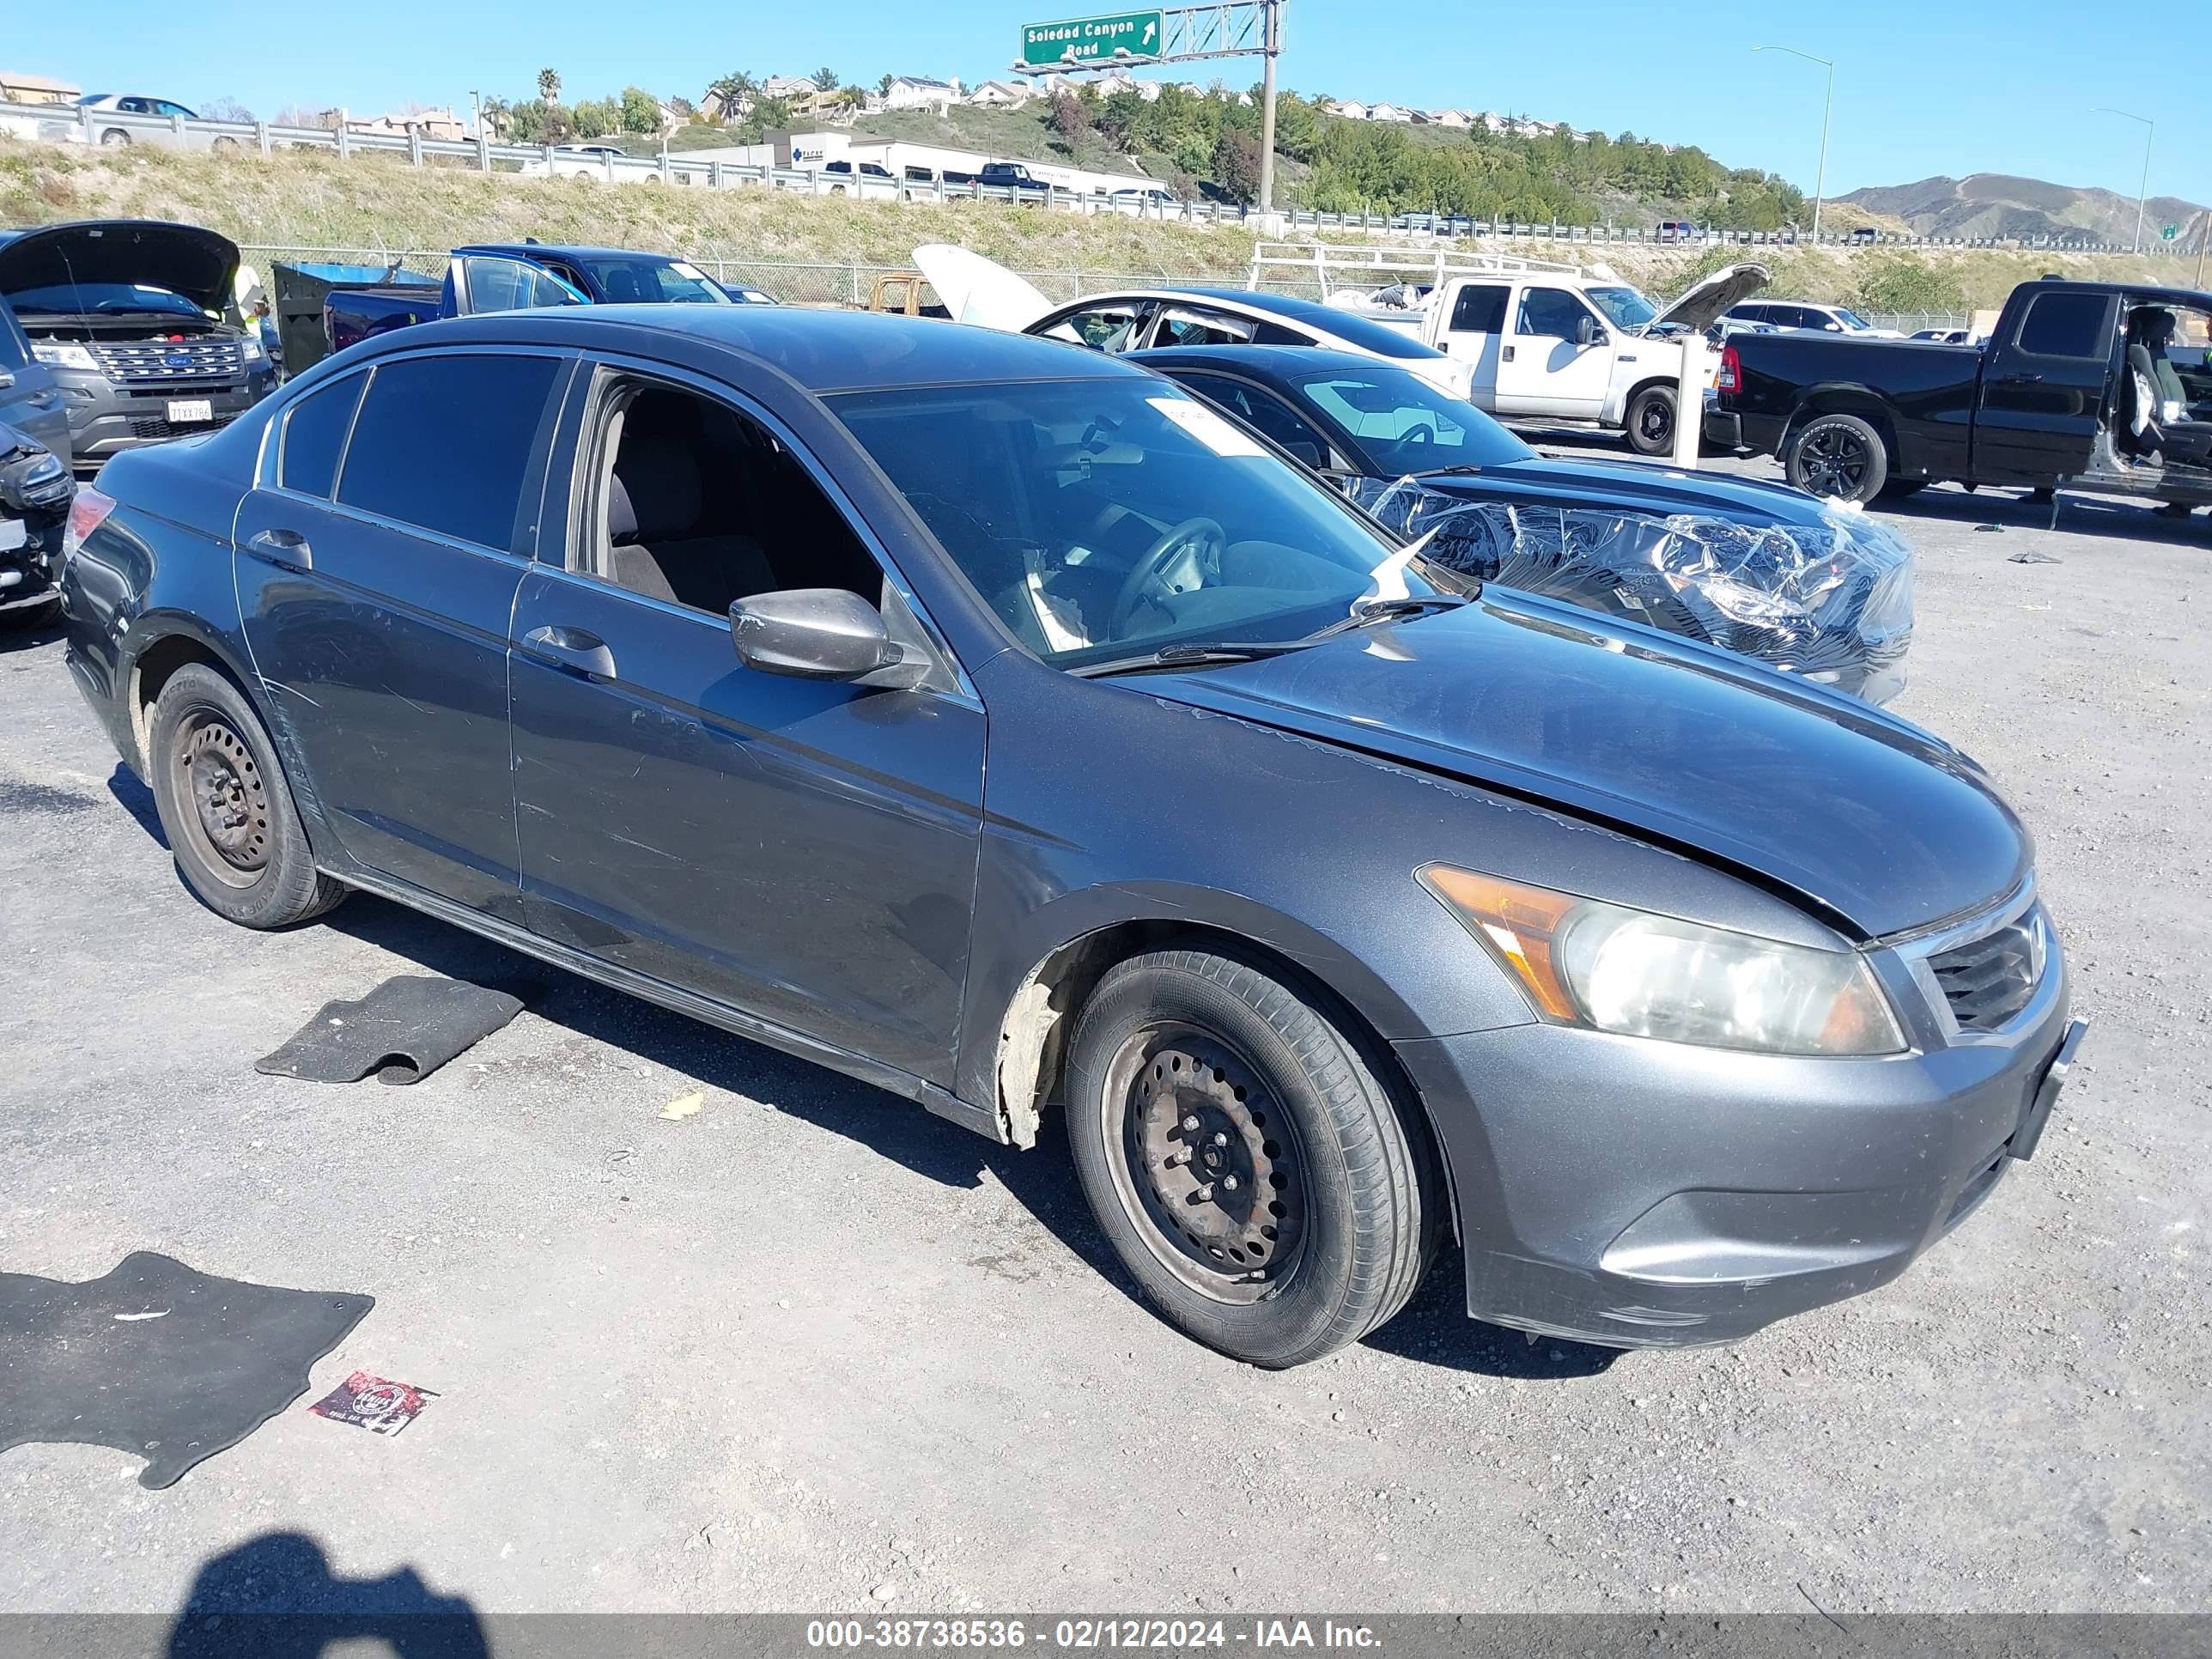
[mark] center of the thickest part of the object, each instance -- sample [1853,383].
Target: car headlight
[1583,962]
[250,344]
[59,354]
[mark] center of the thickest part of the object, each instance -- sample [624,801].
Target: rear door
[1544,368]
[29,400]
[2045,388]
[1474,331]
[381,551]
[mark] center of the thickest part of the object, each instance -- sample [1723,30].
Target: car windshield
[662,281]
[1102,518]
[1625,307]
[103,300]
[1407,425]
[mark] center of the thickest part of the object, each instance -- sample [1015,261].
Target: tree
[640,112]
[679,105]
[548,85]
[884,85]
[1237,165]
[1070,116]
[825,80]
[727,97]
[596,118]
[495,112]
[225,109]
[1297,129]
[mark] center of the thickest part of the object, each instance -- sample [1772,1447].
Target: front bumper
[1638,1193]
[106,418]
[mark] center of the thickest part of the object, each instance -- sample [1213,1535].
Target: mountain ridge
[1986,205]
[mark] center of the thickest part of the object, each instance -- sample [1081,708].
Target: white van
[1549,342]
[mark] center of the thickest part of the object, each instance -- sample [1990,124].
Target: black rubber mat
[158,1359]
[403,1030]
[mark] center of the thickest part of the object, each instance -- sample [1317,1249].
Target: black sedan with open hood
[135,317]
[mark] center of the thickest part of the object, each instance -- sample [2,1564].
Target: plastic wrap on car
[1832,602]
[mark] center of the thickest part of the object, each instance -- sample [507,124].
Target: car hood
[1868,821]
[978,290]
[200,264]
[1652,487]
[1701,307]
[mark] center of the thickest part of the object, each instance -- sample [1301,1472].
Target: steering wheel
[1191,534]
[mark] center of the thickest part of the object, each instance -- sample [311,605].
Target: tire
[116,137]
[227,809]
[1650,420]
[224,145]
[1837,455]
[1356,1214]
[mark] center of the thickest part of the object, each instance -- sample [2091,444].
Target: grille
[1989,980]
[171,362]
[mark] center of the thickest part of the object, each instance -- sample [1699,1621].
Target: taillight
[87,512]
[1731,370]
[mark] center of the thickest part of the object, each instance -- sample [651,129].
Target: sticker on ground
[374,1403]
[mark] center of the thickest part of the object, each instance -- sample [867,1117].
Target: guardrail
[71,124]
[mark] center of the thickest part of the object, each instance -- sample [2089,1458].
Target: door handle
[287,549]
[1507,354]
[576,650]
[2022,379]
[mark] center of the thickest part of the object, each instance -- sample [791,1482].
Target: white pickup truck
[1549,342]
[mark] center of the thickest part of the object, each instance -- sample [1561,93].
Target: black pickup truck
[2102,386]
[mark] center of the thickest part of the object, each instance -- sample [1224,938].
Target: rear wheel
[225,808]
[1250,1170]
[1837,455]
[1650,420]
[115,136]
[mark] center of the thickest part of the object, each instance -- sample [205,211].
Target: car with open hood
[1001,725]
[137,319]
[1809,587]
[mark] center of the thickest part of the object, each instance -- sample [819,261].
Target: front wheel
[1650,420]
[225,808]
[115,137]
[1250,1170]
[1839,456]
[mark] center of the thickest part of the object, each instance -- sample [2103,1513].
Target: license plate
[2024,1139]
[185,410]
[12,534]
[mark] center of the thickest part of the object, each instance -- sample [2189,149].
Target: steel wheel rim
[1654,421]
[1221,1205]
[221,785]
[1835,462]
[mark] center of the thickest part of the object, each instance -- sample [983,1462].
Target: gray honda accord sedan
[990,720]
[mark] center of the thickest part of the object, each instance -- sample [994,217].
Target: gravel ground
[811,1349]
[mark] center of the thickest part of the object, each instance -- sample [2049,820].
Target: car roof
[1348,326]
[1284,364]
[824,351]
[559,250]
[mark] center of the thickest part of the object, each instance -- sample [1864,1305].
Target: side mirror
[821,634]
[1588,333]
[1308,450]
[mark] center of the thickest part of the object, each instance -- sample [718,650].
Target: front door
[802,850]
[29,400]
[1474,332]
[379,559]
[2044,389]
[1546,368]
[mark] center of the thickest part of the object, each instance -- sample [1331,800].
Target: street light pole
[1821,180]
[1271,37]
[2143,194]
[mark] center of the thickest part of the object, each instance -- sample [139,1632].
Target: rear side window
[2067,325]
[1480,309]
[314,435]
[445,444]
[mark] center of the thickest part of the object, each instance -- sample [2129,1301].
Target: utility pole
[476,106]
[1272,38]
[1821,180]
[2143,194]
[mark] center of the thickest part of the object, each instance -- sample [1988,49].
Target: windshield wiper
[1194,655]
[1457,467]
[1371,612]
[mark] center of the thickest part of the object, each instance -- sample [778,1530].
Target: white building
[1387,112]
[921,92]
[1451,118]
[1349,109]
[998,94]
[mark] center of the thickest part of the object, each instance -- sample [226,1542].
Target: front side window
[1100,516]
[1550,313]
[1182,326]
[1407,425]
[1111,327]
[445,443]
[314,436]
[654,282]
[496,284]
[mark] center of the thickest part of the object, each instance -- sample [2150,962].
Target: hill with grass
[1997,205]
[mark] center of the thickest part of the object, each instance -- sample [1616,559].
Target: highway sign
[1121,34]
[2169,232]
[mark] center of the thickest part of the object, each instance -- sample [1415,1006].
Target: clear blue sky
[1922,85]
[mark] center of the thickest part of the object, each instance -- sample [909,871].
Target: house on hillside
[37,89]
[798,93]
[921,92]
[1350,108]
[1389,113]
[1451,118]
[430,123]
[998,94]
[1114,80]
